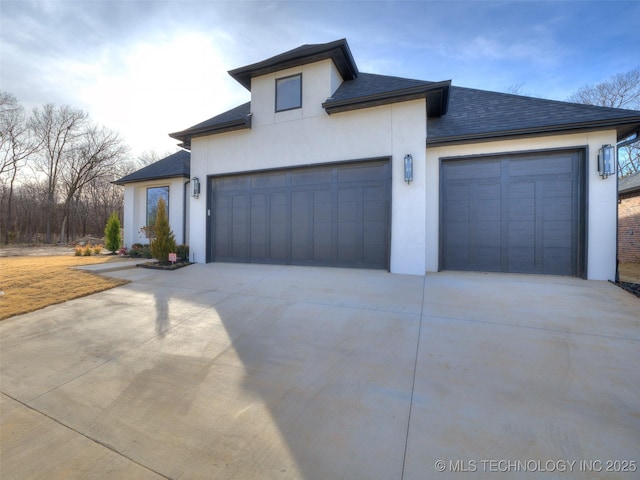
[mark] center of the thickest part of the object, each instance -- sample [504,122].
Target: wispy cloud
[147,67]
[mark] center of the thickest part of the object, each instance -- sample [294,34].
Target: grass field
[32,283]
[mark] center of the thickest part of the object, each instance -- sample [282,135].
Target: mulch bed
[163,266]
[630,287]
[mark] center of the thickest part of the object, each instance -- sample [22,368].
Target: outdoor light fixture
[408,168]
[607,161]
[195,187]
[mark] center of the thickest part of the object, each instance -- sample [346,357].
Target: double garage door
[514,213]
[333,215]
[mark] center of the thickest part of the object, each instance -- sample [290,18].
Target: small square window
[289,93]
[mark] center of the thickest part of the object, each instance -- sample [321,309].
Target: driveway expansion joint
[94,440]
[413,382]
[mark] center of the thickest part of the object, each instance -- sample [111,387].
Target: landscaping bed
[164,266]
[630,287]
[630,278]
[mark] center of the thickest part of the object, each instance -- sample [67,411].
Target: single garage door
[333,215]
[514,213]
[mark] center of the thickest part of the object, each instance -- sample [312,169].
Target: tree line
[620,91]
[56,169]
[57,165]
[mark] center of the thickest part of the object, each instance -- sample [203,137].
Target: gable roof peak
[338,51]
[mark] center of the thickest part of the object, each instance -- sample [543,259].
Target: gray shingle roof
[338,51]
[630,183]
[175,165]
[480,114]
[368,90]
[454,114]
[235,119]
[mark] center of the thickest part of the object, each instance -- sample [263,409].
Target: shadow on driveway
[245,371]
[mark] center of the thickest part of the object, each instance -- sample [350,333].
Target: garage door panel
[473,171]
[526,221]
[457,234]
[240,226]
[559,209]
[538,166]
[269,180]
[522,234]
[522,258]
[558,188]
[487,234]
[333,215]
[458,211]
[556,261]
[485,258]
[313,177]
[556,233]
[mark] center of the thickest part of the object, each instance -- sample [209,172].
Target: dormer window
[289,93]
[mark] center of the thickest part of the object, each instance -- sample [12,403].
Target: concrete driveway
[250,372]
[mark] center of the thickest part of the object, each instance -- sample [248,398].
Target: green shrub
[183,251]
[165,241]
[140,251]
[112,233]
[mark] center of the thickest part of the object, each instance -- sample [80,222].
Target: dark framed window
[153,195]
[289,93]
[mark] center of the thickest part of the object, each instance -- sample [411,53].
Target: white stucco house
[326,165]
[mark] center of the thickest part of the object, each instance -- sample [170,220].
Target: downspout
[619,145]
[185,199]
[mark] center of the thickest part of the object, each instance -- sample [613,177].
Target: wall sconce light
[607,161]
[408,168]
[195,187]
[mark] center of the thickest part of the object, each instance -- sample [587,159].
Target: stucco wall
[308,136]
[135,209]
[629,228]
[601,201]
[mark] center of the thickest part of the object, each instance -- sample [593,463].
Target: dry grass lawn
[630,272]
[32,283]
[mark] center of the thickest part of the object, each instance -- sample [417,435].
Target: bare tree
[58,129]
[95,155]
[71,163]
[16,145]
[620,91]
[150,156]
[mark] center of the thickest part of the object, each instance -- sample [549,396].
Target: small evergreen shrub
[183,251]
[141,251]
[165,241]
[112,233]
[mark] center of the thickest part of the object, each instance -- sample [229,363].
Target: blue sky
[147,68]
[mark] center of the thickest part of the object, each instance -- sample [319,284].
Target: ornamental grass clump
[165,242]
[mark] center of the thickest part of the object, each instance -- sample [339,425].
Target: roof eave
[123,182]
[623,127]
[437,96]
[337,51]
[185,136]
[629,190]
